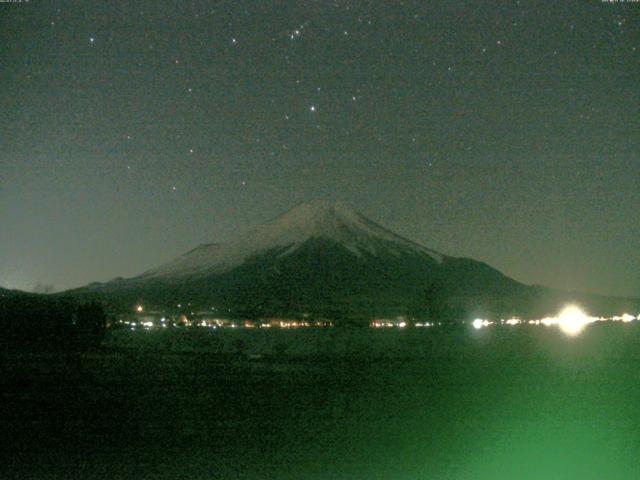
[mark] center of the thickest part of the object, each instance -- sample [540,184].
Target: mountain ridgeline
[328,261]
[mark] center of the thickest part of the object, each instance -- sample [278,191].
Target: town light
[478,323]
[572,320]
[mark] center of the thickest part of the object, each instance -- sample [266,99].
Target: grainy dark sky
[507,131]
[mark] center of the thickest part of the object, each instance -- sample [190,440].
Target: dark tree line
[35,322]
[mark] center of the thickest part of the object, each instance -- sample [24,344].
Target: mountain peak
[314,218]
[322,206]
[334,221]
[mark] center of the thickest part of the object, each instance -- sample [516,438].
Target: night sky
[508,132]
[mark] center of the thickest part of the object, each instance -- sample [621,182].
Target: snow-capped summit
[333,221]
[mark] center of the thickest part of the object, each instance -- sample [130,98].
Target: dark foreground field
[501,403]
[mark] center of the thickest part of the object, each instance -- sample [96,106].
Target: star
[92,40]
[312,108]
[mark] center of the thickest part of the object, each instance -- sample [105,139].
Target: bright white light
[572,320]
[547,321]
[139,308]
[402,324]
[628,318]
[478,323]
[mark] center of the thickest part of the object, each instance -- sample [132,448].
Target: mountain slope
[326,259]
[287,233]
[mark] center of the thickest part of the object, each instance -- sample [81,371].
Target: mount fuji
[333,222]
[325,259]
